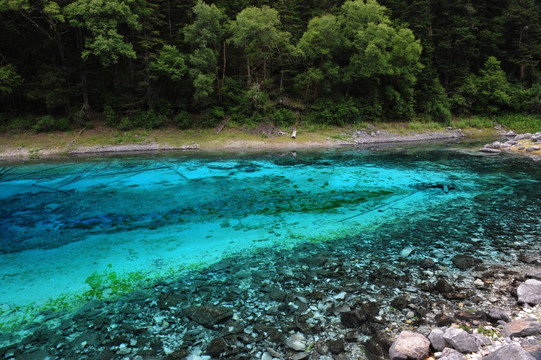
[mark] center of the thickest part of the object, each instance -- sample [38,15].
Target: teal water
[106,224]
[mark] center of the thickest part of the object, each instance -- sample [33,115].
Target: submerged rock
[465,262]
[296,342]
[208,316]
[409,345]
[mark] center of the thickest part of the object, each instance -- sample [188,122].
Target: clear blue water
[68,228]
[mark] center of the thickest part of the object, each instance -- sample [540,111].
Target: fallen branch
[222,125]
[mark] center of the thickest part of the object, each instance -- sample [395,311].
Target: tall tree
[523,23]
[319,43]
[257,32]
[206,35]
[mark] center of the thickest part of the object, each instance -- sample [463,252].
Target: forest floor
[100,139]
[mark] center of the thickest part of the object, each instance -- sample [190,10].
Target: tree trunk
[249,81]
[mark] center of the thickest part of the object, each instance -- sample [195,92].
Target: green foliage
[170,64]
[211,117]
[392,59]
[336,113]
[9,79]
[50,123]
[149,120]
[184,120]
[102,20]
[283,117]
[111,117]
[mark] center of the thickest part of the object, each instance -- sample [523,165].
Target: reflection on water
[62,223]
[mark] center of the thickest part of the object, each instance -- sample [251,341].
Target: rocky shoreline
[523,143]
[322,301]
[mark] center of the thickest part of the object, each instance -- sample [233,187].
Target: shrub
[184,120]
[50,123]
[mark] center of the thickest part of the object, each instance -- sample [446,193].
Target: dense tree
[142,62]
[207,38]
[257,32]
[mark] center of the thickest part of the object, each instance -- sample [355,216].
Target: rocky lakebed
[343,299]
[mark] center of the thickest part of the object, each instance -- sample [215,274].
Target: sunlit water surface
[66,225]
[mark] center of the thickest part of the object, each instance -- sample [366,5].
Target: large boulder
[460,340]
[522,328]
[509,352]
[530,292]
[409,346]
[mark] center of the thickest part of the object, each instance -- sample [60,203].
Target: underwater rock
[443,286]
[216,347]
[522,328]
[465,262]
[530,292]
[460,340]
[208,316]
[321,347]
[337,346]
[409,345]
[377,347]
[296,342]
[352,319]
[509,352]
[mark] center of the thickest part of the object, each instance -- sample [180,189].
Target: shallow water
[73,227]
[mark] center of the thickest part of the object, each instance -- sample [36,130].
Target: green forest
[156,63]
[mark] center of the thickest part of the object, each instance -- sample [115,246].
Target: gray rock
[208,316]
[509,352]
[451,354]
[436,339]
[523,136]
[533,148]
[530,292]
[510,133]
[490,150]
[482,340]
[494,315]
[534,275]
[533,346]
[460,340]
[296,342]
[465,262]
[300,356]
[522,328]
[409,345]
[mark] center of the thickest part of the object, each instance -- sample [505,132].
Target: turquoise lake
[154,217]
